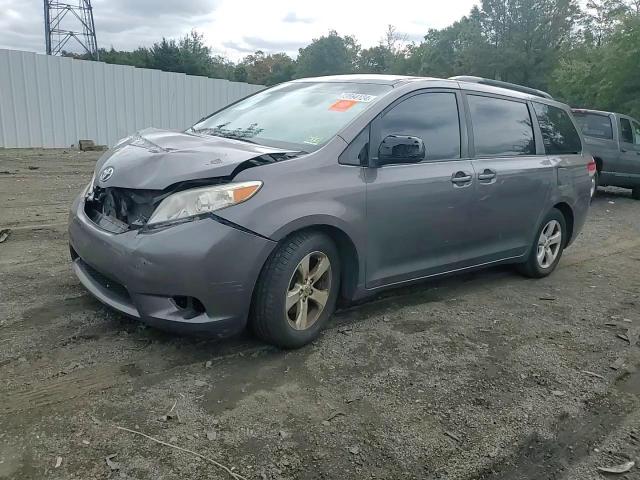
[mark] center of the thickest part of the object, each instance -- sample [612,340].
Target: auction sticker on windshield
[342,105]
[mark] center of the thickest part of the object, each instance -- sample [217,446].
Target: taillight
[591,167]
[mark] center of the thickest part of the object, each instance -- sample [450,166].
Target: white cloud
[235,27]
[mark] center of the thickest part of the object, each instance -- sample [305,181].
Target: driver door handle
[460,178]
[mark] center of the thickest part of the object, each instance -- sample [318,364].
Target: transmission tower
[71,20]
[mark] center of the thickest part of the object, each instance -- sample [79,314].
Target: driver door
[630,149]
[419,211]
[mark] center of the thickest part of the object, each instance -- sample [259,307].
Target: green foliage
[606,75]
[328,55]
[265,69]
[587,57]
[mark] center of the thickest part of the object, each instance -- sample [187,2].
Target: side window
[433,117]
[594,125]
[501,127]
[558,133]
[636,132]
[357,152]
[626,133]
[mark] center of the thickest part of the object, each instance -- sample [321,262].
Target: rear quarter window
[559,135]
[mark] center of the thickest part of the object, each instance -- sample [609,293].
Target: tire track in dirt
[66,387]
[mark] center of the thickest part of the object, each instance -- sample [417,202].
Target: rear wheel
[547,247]
[297,290]
[635,193]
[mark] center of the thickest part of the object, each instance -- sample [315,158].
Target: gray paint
[406,222]
[49,101]
[618,161]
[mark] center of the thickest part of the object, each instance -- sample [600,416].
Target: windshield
[594,125]
[301,116]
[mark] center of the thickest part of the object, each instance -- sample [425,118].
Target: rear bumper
[143,275]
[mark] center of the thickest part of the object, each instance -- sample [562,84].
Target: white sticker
[357,97]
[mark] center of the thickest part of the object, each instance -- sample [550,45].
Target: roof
[589,110]
[364,78]
[395,80]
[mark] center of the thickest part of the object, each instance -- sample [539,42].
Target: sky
[235,28]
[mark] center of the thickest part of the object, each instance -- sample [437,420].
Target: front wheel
[297,290]
[547,247]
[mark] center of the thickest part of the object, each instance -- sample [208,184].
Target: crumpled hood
[153,159]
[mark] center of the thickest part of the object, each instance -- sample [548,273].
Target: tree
[602,16]
[328,55]
[386,57]
[270,69]
[460,49]
[604,76]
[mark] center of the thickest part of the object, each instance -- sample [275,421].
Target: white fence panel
[48,101]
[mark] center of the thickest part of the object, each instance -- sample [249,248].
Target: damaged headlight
[198,201]
[88,190]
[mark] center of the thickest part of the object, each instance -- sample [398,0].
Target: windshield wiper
[234,137]
[242,134]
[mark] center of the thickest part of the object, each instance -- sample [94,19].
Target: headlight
[198,201]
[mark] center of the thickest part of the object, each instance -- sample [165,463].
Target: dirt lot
[480,376]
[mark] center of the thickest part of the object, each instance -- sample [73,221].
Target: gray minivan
[271,209]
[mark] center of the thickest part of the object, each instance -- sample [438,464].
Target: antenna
[69,21]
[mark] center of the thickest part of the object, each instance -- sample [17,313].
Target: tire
[534,267]
[282,279]
[635,193]
[594,184]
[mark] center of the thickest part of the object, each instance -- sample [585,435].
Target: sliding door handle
[487,174]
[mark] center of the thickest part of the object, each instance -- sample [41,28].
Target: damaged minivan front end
[114,206]
[189,276]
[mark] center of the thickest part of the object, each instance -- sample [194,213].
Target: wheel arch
[569,218]
[598,161]
[351,257]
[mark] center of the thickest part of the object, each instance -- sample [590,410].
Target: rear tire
[547,247]
[594,184]
[293,299]
[635,193]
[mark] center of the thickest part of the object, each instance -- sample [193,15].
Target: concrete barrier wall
[48,101]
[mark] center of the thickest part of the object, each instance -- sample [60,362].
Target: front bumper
[142,274]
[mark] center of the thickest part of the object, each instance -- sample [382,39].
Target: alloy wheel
[549,243]
[308,290]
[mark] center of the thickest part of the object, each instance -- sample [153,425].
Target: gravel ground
[481,376]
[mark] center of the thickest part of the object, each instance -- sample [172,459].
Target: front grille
[118,210]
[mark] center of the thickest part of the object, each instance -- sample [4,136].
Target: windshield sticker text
[357,97]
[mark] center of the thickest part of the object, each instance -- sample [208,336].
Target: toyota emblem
[106,174]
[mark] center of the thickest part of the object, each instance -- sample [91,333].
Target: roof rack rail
[501,84]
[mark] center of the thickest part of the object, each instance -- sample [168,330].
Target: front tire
[547,247]
[297,290]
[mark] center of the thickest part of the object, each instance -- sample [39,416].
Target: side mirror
[401,149]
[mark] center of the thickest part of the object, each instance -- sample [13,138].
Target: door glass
[636,132]
[558,133]
[501,127]
[626,133]
[432,117]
